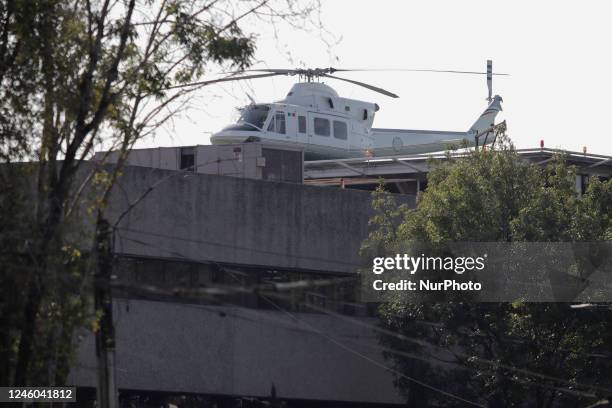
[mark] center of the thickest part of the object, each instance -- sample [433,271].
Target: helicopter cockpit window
[277,124]
[321,127]
[340,130]
[252,118]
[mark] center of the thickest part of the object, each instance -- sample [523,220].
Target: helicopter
[314,117]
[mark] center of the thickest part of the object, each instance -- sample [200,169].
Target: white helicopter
[314,117]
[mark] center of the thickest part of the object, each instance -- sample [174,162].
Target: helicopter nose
[228,137]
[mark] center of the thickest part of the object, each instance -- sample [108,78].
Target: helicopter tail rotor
[490,79]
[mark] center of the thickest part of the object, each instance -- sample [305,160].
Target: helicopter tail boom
[487,119]
[405,141]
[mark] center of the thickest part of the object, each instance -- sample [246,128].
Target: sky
[556,52]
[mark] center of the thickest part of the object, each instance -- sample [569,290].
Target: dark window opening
[584,183]
[187,158]
[343,296]
[423,185]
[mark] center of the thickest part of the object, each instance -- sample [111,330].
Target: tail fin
[486,121]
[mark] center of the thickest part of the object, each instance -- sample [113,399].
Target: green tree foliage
[496,354]
[74,76]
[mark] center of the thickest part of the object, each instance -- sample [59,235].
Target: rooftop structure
[247,160]
[407,174]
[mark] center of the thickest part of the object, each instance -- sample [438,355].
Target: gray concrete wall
[159,157]
[233,351]
[177,347]
[224,219]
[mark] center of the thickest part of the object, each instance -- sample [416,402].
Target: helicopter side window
[321,127]
[340,131]
[277,124]
[302,124]
[280,122]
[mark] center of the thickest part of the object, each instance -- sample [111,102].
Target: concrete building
[198,230]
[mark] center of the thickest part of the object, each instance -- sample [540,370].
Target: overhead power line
[377,363]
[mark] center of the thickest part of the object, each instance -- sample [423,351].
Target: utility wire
[465,367]
[217,244]
[260,289]
[190,170]
[427,344]
[371,360]
[274,289]
[178,292]
[431,360]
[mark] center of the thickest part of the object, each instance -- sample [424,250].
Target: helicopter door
[302,128]
[328,131]
[291,125]
[340,133]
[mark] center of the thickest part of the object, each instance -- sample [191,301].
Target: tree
[510,354]
[74,75]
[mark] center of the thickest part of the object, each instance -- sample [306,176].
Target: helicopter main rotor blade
[312,72]
[370,87]
[331,70]
[274,71]
[226,79]
[317,72]
[448,71]
[321,72]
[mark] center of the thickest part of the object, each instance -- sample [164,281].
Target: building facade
[218,341]
[239,288]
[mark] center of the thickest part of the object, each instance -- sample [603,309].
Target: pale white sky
[557,52]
